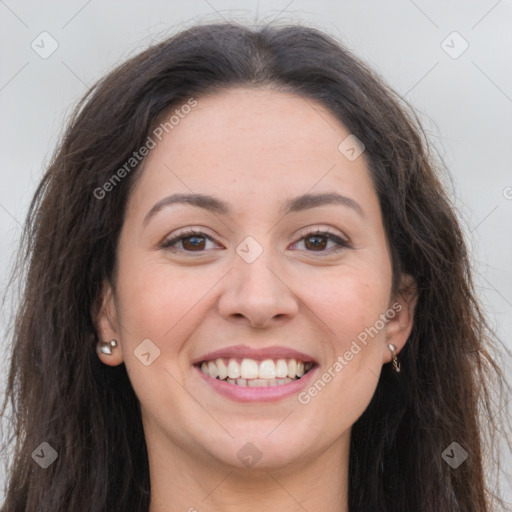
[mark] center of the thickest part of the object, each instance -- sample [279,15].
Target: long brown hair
[62,394]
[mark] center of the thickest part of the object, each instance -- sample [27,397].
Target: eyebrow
[293,205]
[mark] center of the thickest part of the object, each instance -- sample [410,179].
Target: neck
[181,482]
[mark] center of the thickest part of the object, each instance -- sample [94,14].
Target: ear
[105,321]
[401,316]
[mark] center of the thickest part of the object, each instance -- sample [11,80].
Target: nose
[259,292]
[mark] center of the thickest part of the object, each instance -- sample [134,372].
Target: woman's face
[256,294]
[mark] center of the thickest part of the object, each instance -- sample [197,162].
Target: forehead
[238,123]
[248,142]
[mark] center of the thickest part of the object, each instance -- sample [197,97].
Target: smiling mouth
[255,373]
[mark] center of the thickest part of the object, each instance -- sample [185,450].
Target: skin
[253,148]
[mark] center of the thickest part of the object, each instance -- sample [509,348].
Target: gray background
[464,102]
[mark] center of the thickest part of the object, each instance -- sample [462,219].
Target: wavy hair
[451,385]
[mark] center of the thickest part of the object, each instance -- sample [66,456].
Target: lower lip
[257,394]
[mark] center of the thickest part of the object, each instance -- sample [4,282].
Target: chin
[260,451]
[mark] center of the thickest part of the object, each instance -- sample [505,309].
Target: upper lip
[243,351]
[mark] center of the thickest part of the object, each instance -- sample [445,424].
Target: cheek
[348,301]
[160,304]
[156,295]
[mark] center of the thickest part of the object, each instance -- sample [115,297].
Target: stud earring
[396,363]
[106,347]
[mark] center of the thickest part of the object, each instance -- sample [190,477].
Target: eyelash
[342,244]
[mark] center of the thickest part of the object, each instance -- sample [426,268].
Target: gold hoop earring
[106,347]
[396,363]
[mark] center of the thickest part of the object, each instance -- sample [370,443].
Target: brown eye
[317,242]
[191,241]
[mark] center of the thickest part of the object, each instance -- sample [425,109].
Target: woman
[247,289]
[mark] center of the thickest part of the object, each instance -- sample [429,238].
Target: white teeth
[281,368]
[292,368]
[254,373]
[212,369]
[249,369]
[267,369]
[233,369]
[257,383]
[222,368]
